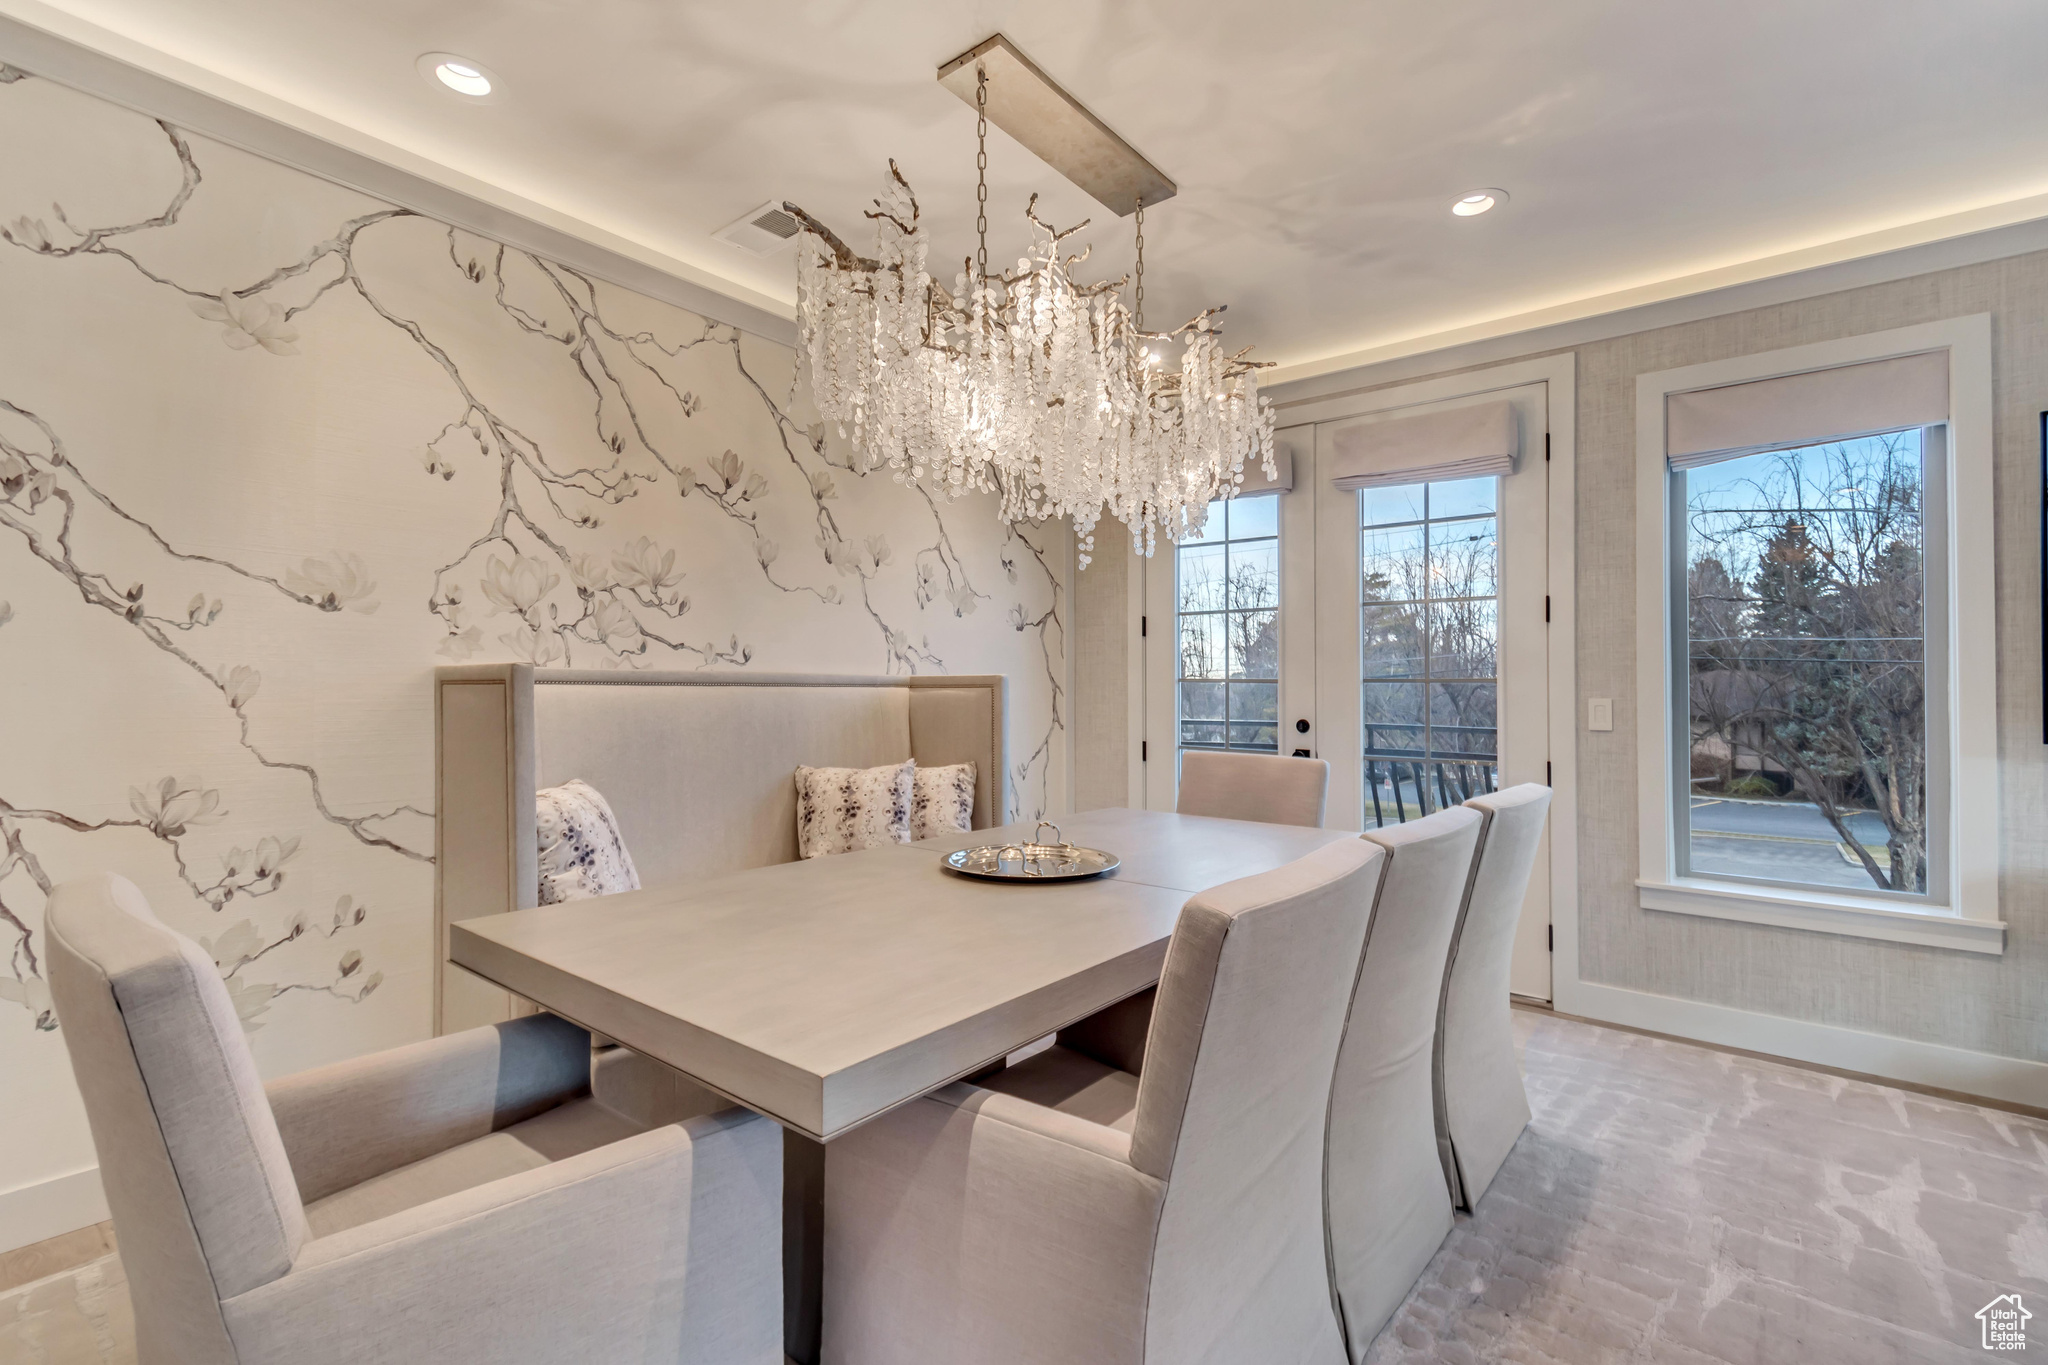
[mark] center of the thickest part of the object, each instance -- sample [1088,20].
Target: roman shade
[1462,443]
[1255,480]
[1708,426]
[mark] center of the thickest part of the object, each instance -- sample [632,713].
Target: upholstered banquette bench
[697,768]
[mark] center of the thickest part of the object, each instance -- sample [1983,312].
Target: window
[1227,604]
[1808,578]
[1429,634]
[1815,614]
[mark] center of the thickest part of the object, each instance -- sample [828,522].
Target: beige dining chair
[1389,1207]
[1263,787]
[1481,1107]
[1064,1210]
[457,1200]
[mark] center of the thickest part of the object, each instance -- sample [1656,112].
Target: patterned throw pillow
[842,810]
[581,853]
[942,801]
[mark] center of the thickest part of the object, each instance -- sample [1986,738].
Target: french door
[1408,630]
[1430,607]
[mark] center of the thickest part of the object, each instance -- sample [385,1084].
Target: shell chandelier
[1024,383]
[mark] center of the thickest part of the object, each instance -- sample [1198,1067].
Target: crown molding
[1969,238]
[57,46]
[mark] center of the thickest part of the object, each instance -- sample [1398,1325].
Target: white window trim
[1970,919]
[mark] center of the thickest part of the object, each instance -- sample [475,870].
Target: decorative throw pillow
[942,800]
[842,810]
[581,853]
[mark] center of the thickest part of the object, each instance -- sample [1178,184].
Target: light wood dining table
[825,993]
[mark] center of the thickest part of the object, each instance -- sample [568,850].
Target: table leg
[803,1246]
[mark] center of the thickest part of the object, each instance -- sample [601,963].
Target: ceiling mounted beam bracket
[1025,103]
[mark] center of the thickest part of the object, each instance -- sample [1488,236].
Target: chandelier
[1024,382]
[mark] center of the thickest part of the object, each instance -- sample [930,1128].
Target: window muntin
[1808,585]
[1429,631]
[1227,628]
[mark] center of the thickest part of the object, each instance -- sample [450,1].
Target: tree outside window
[1227,596]
[1807,677]
[1429,631]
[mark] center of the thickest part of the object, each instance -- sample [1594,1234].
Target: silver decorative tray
[1040,860]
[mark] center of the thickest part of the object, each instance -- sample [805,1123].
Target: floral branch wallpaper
[270,450]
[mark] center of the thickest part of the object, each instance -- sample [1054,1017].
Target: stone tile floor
[1669,1203]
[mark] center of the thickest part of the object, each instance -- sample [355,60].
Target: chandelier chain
[1138,312]
[981,170]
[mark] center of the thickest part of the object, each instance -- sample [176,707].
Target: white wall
[235,538]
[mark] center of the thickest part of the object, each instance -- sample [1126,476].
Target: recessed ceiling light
[463,80]
[461,75]
[1478,202]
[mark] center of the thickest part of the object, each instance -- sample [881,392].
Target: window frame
[1963,911]
[1936,560]
[1224,542]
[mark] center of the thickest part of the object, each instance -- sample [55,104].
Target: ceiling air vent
[759,231]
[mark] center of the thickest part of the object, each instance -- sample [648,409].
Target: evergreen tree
[1812,661]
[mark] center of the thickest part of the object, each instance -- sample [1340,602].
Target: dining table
[824,993]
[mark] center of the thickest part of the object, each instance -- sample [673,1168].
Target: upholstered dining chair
[1262,787]
[1065,1210]
[1481,1107]
[1389,1208]
[458,1200]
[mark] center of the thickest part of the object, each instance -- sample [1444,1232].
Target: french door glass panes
[1227,603]
[1431,648]
[1429,635]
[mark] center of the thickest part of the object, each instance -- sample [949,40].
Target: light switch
[1600,713]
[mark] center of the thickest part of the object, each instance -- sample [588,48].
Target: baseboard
[2007,1080]
[34,1213]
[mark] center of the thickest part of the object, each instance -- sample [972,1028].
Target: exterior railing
[1218,746]
[1402,781]
[1407,782]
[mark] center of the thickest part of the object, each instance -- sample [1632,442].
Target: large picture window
[1815,605]
[1811,719]
[1227,600]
